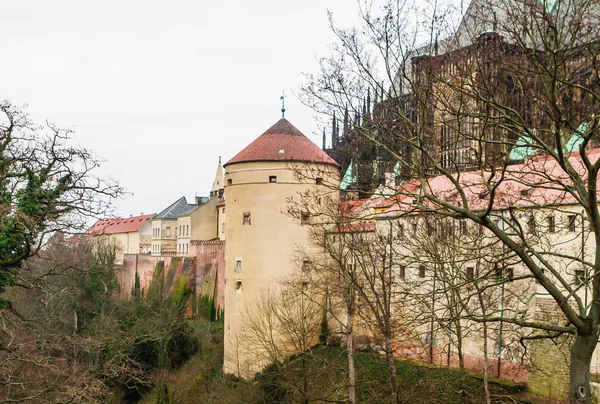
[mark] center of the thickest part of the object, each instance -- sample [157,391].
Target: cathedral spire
[346,121]
[218,182]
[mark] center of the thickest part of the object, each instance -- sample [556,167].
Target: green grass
[200,380]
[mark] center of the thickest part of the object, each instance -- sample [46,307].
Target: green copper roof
[397,169]
[349,177]
[574,143]
[549,5]
[521,149]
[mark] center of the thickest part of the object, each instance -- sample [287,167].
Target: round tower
[261,236]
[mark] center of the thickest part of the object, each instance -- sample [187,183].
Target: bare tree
[493,118]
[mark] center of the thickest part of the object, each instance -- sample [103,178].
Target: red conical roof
[282,142]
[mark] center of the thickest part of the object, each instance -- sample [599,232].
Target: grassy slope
[200,379]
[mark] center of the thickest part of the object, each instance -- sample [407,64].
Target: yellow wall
[265,247]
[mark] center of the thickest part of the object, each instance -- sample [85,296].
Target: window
[400,230]
[531,225]
[238,265]
[305,218]
[551,224]
[462,225]
[402,272]
[187,248]
[414,226]
[470,274]
[238,286]
[319,181]
[246,220]
[509,274]
[168,232]
[304,286]
[579,277]
[222,227]
[421,271]
[272,178]
[306,266]
[187,229]
[571,223]
[179,228]
[223,211]
[229,182]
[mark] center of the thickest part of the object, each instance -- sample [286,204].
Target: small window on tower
[238,286]
[238,266]
[306,266]
[246,220]
[305,218]
[272,178]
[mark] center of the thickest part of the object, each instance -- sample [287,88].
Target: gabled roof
[119,225]
[282,142]
[178,208]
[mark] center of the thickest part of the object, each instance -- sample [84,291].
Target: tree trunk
[350,351]
[389,353]
[581,357]
[486,386]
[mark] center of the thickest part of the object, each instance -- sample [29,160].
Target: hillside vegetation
[322,375]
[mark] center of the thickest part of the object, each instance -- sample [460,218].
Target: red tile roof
[282,142]
[119,225]
[539,181]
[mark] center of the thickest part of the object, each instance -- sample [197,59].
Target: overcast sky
[162,89]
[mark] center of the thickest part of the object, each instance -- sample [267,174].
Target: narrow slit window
[246,220]
[551,224]
[571,223]
[470,274]
[272,178]
[421,271]
[238,265]
[306,266]
[238,287]
[402,272]
[305,218]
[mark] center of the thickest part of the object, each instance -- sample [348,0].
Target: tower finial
[282,98]
[219,159]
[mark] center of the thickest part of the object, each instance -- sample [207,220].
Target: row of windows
[182,248]
[184,230]
[247,219]
[470,272]
[155,248]
[273,178]
[449,227]
[156,232]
